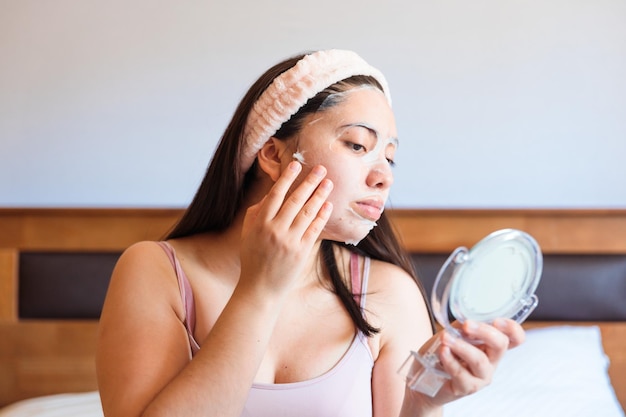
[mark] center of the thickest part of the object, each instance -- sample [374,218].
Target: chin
[350,234]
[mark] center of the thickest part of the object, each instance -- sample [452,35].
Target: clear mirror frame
[496,278]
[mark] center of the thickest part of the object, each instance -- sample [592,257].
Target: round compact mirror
[497,278]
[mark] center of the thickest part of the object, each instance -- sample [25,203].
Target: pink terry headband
[293,88]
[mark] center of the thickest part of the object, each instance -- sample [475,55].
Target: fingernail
[500,324]
[471,325]
[448,339]
[327,185]
[446,353]
[295,166]
[319,170]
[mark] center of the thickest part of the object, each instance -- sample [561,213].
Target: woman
[283,290]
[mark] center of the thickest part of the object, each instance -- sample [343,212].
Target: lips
[370,209]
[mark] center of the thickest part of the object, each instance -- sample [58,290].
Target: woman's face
[356,141]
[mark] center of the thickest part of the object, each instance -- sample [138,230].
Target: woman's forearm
[417,405]
[217,381]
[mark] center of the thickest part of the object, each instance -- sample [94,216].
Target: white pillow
[559,371]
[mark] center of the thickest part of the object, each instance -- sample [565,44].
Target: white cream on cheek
[299,156]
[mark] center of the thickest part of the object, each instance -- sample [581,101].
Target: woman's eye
[356,147]
[391,162]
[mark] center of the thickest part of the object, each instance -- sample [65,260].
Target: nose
[380,176]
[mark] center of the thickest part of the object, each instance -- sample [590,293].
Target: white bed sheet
[559,371]
[84,404]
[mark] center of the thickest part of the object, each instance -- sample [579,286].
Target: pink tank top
[343,391]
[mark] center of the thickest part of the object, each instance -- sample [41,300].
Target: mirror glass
[495,277]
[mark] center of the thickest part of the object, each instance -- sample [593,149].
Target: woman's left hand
[471,366]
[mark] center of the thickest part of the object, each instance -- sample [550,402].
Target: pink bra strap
[184,287]
[359,282]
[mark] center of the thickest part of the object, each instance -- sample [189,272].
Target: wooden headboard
[40,356]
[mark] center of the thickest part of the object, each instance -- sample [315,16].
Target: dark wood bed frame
[40,356]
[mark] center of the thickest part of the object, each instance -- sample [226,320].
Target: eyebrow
[392,140]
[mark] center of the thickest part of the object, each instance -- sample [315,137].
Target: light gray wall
[499,103]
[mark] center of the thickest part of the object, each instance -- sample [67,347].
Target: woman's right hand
[281,230]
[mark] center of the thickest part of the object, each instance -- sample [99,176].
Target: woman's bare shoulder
[397,301]
[142,250]
[144,273]
[142,342]
[390,280]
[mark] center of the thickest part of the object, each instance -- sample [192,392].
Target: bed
[55,264]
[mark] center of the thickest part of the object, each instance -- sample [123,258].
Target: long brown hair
[221,193]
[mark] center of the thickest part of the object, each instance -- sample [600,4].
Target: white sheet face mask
[371,158]
[349,142]
[365,222]
[299,156]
